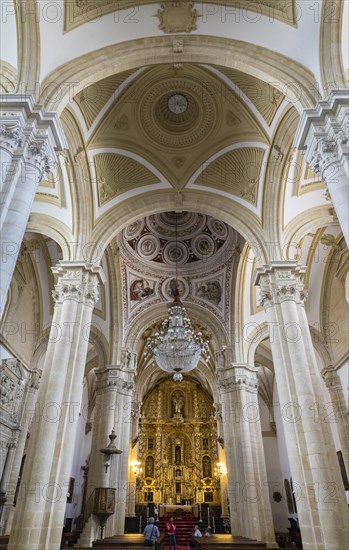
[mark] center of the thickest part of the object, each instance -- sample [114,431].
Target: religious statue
[177,454]
[178,403]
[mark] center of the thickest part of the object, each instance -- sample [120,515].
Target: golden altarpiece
[177,446]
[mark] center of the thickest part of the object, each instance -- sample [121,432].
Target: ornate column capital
[28,131]
[11,133]
[113,378]
[77,281]
[331,378]
[323,134]
[238,377]
[279,282]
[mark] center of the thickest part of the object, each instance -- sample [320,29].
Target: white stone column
[119,473]
[29,139]
[248,493]
[41,502]
[323,135]
[27,415]
[320,496]
[335,389]
[113,394]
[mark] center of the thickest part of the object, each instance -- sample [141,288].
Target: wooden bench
[4,541]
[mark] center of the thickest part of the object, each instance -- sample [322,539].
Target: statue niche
[178,404]
[206,466]
[149,466]
[178,454]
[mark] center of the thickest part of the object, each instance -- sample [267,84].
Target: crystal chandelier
[176,348]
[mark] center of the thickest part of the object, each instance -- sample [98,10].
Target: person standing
[171,531]
[151,533]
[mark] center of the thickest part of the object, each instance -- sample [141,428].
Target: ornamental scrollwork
[76,285]
[233,384]
[266,299]
[11,135]
[177,17]
[110,379]
[326,153]
[38,152]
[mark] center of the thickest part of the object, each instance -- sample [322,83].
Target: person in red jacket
[171,531]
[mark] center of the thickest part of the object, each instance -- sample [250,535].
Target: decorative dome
[199,237]
[177,112]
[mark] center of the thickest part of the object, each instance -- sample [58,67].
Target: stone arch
[152,375]
[310,220]
[55,229]
[100,343]
[331,65]
[256,61]
[276,177]
[319,344]
[230,212]
[40,348]
[156,314]
[260,333]
[28,39]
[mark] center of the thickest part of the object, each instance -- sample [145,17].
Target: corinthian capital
[39,153]
[113,378]
[77,281]
[279,282]
[239,377]
[11,134]
[323,134]
[331,378]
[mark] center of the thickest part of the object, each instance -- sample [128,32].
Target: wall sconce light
[136,468]
[220,469]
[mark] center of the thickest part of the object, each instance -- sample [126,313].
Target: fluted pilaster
[310,446]
[41,502]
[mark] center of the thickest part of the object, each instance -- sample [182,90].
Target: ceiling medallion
[177,112]
[177,17]
[177,103]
